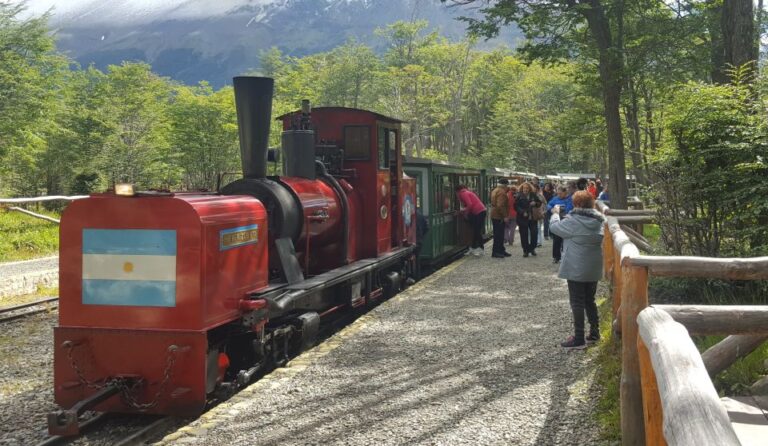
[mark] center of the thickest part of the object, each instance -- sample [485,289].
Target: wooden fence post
[652,409]
[618,282]
[607,253]
[634,300]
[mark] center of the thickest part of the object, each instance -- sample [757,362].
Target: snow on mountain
[193,40]
[122,12]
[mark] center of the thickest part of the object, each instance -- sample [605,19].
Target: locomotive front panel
[143,280]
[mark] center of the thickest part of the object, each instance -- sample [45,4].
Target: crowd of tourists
[565,214]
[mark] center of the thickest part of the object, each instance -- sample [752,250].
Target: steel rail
[147,433]
[14,308]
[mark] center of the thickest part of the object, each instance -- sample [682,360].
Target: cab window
[357,142]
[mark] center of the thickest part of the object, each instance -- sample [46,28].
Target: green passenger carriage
[449,234]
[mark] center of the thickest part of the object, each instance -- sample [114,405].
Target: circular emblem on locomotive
[383,190]
[407,210]
[383,212]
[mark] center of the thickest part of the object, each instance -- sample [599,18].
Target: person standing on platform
[474,211]
[538,215]
[592,189]
[604,195]
[565,205]
[582,264]
[499,216]
[548,192]
[525,201]
[511,226]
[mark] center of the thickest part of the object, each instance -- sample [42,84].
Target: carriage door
[392,160]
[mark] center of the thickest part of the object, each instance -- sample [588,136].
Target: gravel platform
[468,356]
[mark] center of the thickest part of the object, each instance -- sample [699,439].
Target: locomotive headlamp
[124,189]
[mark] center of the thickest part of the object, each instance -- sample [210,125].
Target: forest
[691,108]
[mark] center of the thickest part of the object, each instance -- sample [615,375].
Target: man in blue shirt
[565,202]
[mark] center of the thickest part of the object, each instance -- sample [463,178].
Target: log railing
[656,404]
[10,201]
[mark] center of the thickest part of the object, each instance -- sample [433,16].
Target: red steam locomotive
[168,300]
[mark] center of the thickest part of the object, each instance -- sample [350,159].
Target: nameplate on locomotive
[240,236]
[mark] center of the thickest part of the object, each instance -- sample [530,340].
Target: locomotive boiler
[171,300]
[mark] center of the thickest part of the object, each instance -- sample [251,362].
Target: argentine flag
[132,267]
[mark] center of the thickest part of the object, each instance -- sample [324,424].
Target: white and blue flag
[133,267]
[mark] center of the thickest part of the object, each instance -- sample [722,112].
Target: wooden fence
[12,201]
[667,396]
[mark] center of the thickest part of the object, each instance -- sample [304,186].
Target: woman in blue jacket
[582,264]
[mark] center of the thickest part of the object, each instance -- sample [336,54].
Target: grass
[608,375]
[736,379]
[42,292]
[652,233]
[23,237]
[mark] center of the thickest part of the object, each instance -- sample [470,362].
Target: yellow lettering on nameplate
[243,235]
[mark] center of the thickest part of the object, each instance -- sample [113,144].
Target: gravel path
[19,278]
[8,269]
[469,356]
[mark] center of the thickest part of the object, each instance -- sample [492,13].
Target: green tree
[547,25]
[137,149]
[75,147]
[711,171]
[349,77]
[203,134]
[29,72]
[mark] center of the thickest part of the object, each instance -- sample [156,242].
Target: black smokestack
[253,100]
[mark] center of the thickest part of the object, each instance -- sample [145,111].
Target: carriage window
[357,142]
[392,144]
[448,193]
[383,148]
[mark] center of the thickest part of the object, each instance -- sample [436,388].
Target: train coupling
[66,422]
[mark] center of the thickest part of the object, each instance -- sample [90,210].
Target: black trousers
[498,236]
[547,216]
[529,234]
[477,222]
[557,247]
[582,296]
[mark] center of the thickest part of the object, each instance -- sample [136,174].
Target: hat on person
[504,181]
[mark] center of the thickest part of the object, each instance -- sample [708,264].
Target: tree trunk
[610,64]
[758,28]
[632,111]
[738,26]
[716,43]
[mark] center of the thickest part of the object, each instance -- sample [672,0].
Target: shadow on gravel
[482,368]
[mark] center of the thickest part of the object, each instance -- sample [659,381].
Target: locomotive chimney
[253,101]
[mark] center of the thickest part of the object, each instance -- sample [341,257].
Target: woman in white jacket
[581,264]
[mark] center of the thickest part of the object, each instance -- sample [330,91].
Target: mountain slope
[193,40]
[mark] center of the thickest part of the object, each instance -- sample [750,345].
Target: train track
[17,311]
[139,436]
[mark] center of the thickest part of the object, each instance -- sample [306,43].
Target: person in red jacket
[592,189]
[474,211]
